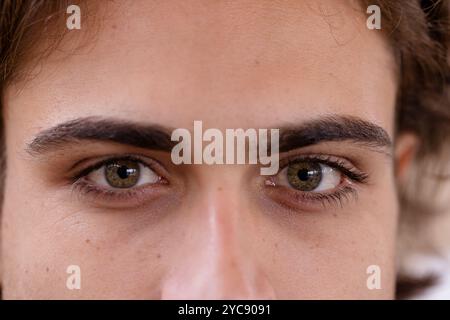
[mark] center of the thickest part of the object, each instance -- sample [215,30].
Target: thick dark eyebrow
[101,129]
[326,129]
[336,128]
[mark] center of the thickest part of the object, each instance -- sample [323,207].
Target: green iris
[122,173]
[304,175]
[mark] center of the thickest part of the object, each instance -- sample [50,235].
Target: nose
[217,259]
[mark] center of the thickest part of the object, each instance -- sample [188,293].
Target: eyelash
[81,186]
[335,198]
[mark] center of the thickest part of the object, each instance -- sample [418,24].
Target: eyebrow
[100,129]
[325,129]
[336,128]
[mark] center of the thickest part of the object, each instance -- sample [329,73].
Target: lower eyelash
[84,188]
[295,199]
[337,198]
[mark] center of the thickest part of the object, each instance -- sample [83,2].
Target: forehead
[231,63]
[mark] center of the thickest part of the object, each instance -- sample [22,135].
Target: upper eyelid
[311,157]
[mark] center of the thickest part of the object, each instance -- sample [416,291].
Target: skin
[214,231]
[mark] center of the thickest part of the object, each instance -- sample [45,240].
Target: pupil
[304,174]
[123,172]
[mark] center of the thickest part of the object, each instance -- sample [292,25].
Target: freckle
[257,62]
[276,245]
[114,26]
[47,269]
[158,256]
[87,241]
[219,189]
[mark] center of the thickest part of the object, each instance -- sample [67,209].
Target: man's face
[139,226]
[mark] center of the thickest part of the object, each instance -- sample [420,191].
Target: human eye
[314,181]
[120,180]
[123,174]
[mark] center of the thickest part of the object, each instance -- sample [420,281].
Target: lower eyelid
[312,201]
[83,190]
